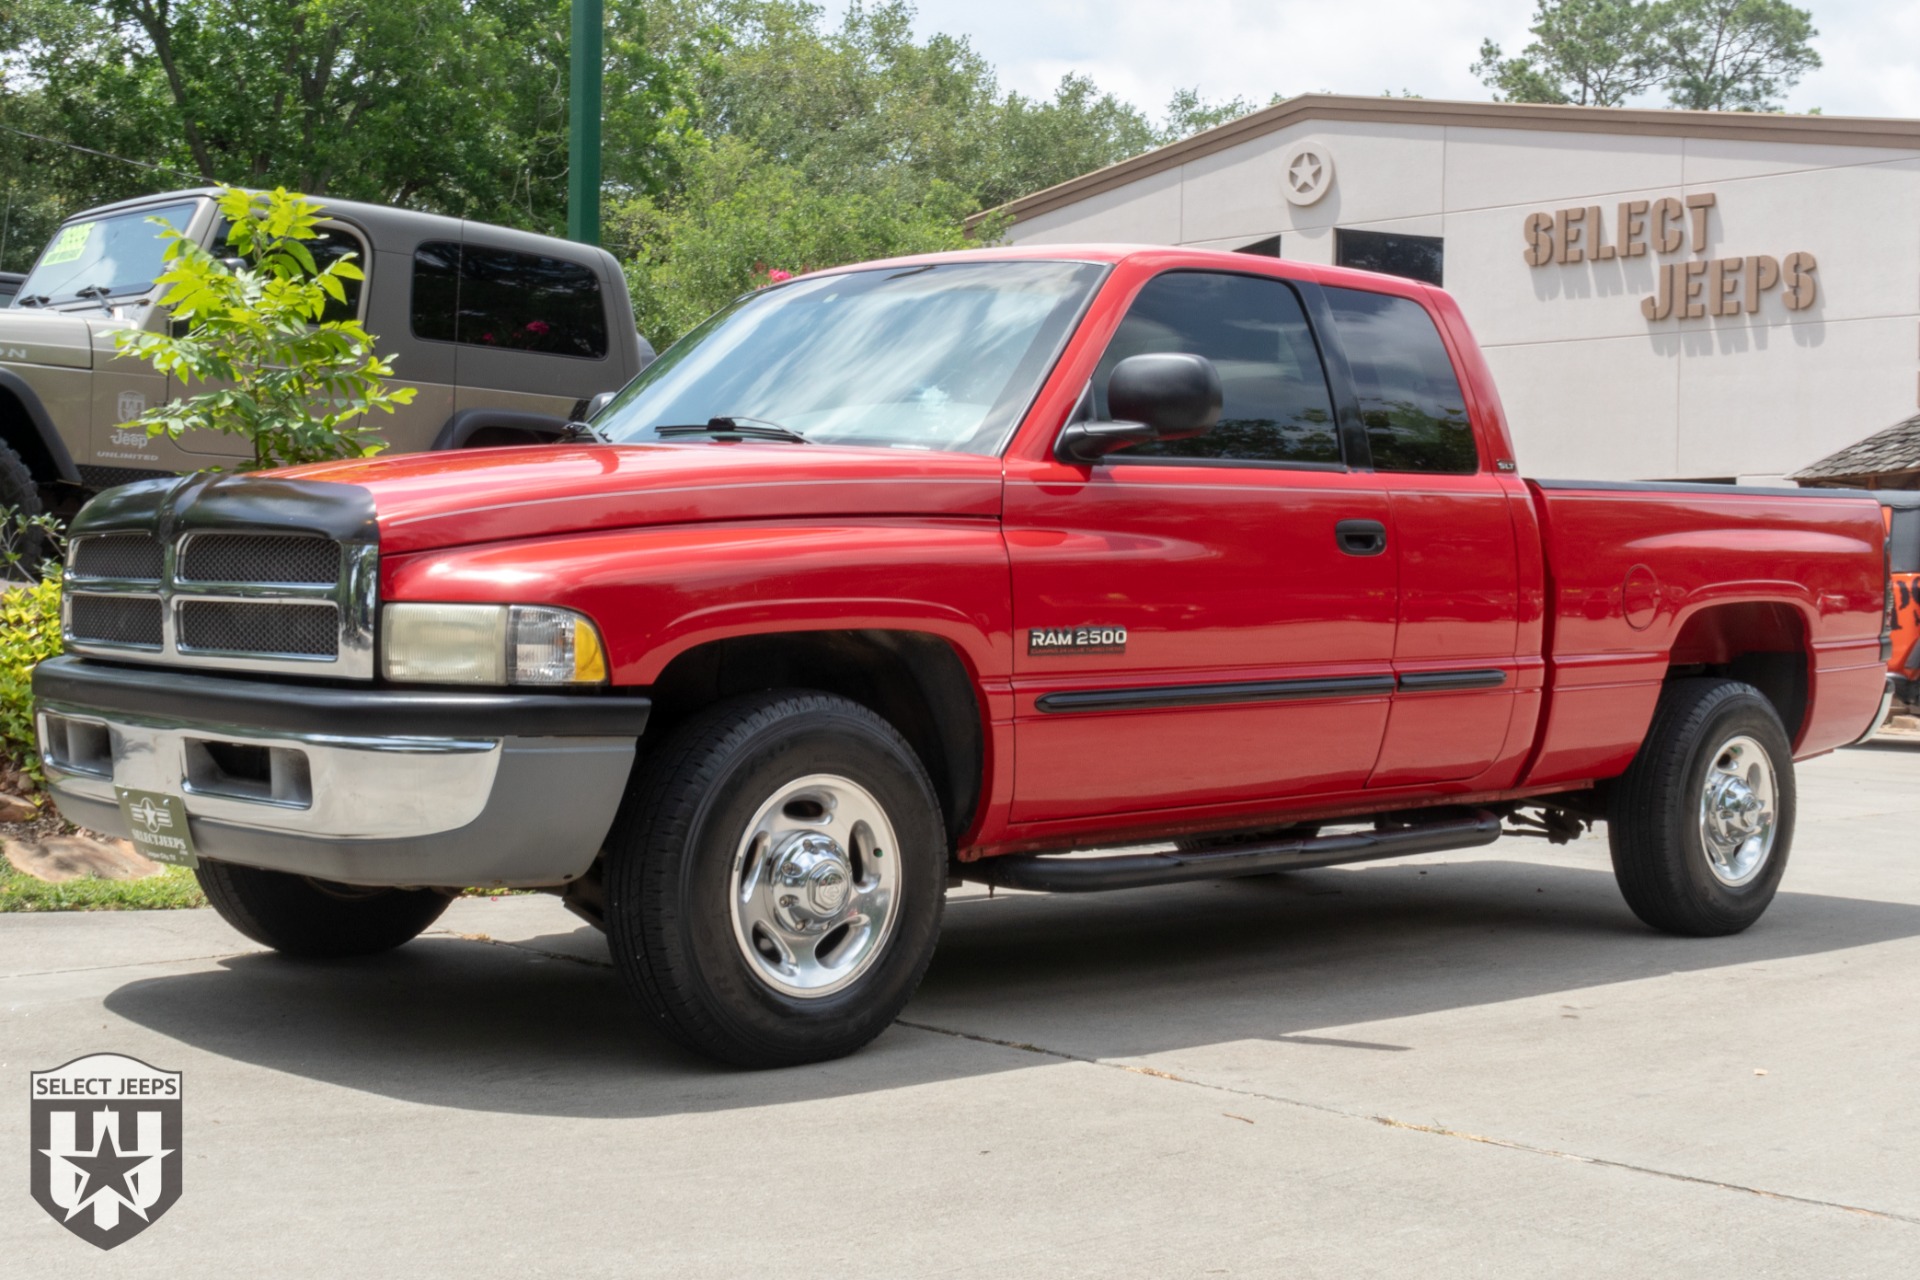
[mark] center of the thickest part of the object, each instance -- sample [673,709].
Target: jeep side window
[330,246]
[327,247]
[1410,400]
[513,301]
[1277,409]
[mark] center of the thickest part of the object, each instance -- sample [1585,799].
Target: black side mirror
[1157,396]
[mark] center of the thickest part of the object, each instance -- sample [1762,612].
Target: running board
[1054,873]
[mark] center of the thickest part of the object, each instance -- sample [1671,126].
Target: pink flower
[776,275]
[539,328]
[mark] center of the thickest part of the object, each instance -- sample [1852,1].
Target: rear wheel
[1701,823]
[301,916]
[776,878]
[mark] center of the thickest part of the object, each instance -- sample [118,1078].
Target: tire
[20,493]
[730,805]
[300,916]
[1690,860]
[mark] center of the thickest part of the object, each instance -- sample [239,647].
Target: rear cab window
[1411,404]
[482,297]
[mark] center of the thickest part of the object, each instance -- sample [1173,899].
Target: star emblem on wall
[1309,173]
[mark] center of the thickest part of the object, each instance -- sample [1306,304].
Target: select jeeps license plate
[157,825]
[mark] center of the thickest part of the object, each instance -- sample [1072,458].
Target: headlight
[489,644]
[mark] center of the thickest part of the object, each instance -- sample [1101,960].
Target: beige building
[1661,294]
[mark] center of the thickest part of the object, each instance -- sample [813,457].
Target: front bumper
[359,785]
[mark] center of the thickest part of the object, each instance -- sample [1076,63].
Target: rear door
[1210,621]
[1453,655]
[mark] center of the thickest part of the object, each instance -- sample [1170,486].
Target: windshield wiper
[97,293]
[743,428]
[32,300]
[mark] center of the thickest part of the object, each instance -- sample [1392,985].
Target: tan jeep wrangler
[503,334]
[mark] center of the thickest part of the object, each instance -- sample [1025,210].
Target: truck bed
[1641,576]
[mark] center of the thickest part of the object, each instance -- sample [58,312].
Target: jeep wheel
[1701,823]
[301,916]
[775,879]
[20,492]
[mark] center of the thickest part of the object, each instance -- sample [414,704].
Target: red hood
[429,500]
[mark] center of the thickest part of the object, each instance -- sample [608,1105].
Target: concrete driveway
[1449,1066]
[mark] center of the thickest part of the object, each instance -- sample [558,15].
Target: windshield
[120,254]
[939,357]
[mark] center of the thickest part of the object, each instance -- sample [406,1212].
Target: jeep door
[1207,622]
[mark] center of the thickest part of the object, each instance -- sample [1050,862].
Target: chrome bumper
[472,807]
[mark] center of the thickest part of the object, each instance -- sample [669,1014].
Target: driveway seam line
[1440,1131]
[130,964]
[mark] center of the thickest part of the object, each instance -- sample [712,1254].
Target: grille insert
[270,628]
[134,556]
[259,558]
[131,620]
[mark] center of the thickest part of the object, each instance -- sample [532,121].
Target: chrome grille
[119,620]
[258,557]
[226,597]
[134,557]
[276,627]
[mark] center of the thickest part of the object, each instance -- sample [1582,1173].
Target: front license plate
[157,825]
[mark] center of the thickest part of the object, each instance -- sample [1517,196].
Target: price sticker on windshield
[69,244]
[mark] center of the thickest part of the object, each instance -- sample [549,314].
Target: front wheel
[1701,823]
[301,916]
[776,879]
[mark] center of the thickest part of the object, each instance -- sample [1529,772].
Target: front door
[1210,621]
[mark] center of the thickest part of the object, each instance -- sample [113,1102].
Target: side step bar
[1054,873]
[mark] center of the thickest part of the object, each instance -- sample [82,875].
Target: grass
[172,889]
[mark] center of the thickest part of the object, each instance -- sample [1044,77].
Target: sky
[1143,50]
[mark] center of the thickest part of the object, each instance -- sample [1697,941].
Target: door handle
[1361,537]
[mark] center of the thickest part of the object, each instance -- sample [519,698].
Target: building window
[1268,248]
[1391,253]
[513,301]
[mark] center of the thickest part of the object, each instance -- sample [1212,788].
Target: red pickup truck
[949,567]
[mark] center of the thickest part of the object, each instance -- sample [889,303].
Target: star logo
[101,1169]
[152,816]
[1309,173]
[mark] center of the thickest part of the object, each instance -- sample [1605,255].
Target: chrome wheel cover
[1739,815]
[815,887]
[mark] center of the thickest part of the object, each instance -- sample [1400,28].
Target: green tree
[453,105]
[1188,113]
[1734,55]
[292,384]
[744,220]
[1593,53]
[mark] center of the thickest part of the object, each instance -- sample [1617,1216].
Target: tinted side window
[329,247]
[436,291]
[515,301]
[1410,400]
[1277,405]
[1903,541]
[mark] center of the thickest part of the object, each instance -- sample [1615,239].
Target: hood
[425,501]
[31,335]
